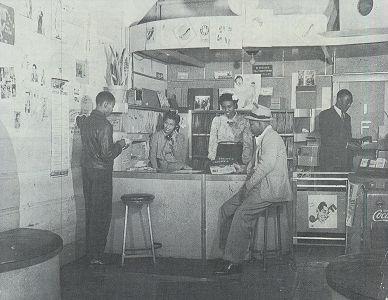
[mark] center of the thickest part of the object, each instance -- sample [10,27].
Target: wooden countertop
[178,176]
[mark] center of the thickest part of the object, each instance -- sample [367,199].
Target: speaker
[363,14]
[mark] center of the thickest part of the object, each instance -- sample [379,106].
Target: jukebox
[367,205]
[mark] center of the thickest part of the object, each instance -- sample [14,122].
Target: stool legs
[279,230]
[265,239]
[151,236]
[124,235]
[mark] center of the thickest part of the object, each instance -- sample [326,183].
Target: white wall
[30,197]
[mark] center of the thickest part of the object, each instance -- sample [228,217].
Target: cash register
[228,155]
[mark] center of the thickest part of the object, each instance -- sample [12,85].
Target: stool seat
[137,198]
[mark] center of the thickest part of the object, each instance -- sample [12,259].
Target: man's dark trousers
[97,186]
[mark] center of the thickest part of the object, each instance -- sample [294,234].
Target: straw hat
[259,113]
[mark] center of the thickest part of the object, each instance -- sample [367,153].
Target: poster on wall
[59,127]
[7,24]
[184,32]
[151,35]
[7,82]
[225,33]
[247,90]
[322,211]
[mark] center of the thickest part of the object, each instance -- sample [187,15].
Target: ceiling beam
[328,57]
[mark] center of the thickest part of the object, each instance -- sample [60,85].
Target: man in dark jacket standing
[98,153]
[336,132]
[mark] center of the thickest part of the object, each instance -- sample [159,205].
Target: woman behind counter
[168,148]
[230,127]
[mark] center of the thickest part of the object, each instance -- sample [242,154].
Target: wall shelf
[148,76]
[157,109]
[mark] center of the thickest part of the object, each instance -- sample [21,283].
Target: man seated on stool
[267,182]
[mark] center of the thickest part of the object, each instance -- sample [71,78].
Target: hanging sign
[264,70]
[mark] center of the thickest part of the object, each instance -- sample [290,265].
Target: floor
[184,279]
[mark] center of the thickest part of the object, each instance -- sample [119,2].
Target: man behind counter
[336,134]
[98,153]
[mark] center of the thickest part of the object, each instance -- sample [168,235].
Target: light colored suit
[267,182]
[267,171]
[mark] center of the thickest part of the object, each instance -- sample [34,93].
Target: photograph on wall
[27,9]
[7,24]
[58,85]
[322,211]
[247,89]
[306,78]
[40,24]
[38,75]
[7,82]
[81,71]
[17,120]
[202,103]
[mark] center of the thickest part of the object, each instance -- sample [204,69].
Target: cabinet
[199,133]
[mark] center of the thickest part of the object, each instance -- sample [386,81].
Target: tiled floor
[184,279]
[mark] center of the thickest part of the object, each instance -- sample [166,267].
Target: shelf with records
[199,133]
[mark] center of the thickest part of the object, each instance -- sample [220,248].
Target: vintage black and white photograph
[7,24]
[202,103]
[193,149]
[7,82]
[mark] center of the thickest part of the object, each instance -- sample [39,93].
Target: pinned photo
[7,82]
[7,25]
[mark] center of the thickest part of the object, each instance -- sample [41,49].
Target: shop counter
[185,212]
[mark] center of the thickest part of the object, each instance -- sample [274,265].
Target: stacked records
[289,123]
[202,122]
[200,146]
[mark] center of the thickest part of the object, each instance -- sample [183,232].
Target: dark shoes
[228,268]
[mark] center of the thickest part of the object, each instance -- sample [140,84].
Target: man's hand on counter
[240,169]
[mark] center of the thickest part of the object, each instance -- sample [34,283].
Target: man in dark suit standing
[336,132]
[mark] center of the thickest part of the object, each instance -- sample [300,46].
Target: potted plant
[116,76]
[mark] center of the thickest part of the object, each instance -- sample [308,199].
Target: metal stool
[277,206]
[137,200]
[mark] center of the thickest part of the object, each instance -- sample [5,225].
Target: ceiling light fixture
[252,53]
[252,60]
